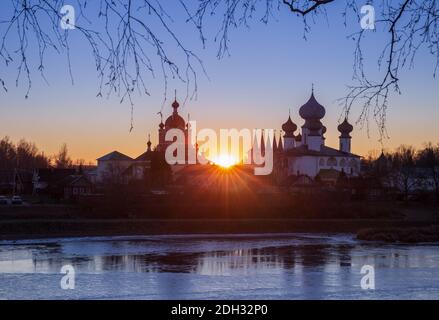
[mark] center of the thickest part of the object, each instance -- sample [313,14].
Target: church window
[332,162]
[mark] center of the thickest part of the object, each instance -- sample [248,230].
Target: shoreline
[19,229]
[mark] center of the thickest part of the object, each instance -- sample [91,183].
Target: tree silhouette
[22,155]
[131,40]
[429,159]
[62,159]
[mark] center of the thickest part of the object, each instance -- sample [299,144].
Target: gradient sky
[270,70]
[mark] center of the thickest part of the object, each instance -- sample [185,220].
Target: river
[268,266]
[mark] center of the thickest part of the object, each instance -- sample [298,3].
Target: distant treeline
[25,155]
[406,168]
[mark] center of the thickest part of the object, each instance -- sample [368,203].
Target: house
[111,166]
[61,183]
[45,180]
[74,186]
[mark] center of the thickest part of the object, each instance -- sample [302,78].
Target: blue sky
[269,71]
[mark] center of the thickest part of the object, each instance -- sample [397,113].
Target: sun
[225,161]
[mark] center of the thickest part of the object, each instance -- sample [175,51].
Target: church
[306,153]
[118,167]
[301,154]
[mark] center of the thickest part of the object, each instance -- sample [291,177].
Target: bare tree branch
[304,11]
[123,43]
[132,41]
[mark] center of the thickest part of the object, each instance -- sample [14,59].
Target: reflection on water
[217,267]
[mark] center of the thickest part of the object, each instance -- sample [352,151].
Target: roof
[75,181]
[54,174]
[115,156]
[146,156]
[324,151]
[175,121]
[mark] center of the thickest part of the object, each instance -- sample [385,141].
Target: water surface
[287,266]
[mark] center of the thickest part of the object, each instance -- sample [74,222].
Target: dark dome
[312,109]
[175,121]
[345,128]
[324,130]
[314,126]
[289,126]
[175,104]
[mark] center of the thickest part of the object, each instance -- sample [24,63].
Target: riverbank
[398,234]
[50,228]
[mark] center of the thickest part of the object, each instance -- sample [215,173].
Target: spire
[161,125]
[175,104]
[149,143]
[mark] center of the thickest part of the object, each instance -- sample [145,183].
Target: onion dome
[299,138]
[314,126]
[175,105]
[289,127]
[345,129]
[312,109]
[175,120]
[324,130]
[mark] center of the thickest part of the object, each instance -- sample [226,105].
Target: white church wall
[303,165]
[311,166]
[289,143]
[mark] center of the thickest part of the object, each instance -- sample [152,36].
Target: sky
[269,73]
